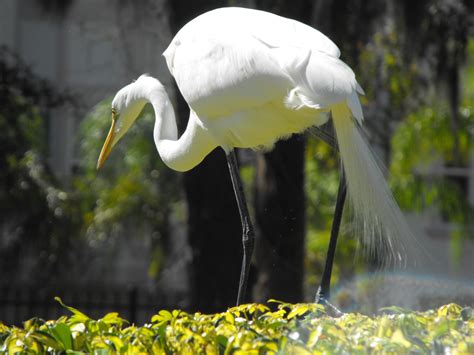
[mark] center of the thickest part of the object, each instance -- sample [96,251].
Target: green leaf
[441,329]
[46,339]
[221,340]
[62,334]
[113,319]
[229,318]
[450,310]
[399,338]
[116,341]
[33,323]
[14,347]
[80,317]
[163,317]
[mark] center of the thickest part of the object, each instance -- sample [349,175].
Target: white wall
[93,50]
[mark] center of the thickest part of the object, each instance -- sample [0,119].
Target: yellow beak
[107,148]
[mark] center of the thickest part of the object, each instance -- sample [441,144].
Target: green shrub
[250,329]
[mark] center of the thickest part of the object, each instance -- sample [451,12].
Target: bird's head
[126,106]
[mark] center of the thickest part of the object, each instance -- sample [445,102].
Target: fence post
[133,304]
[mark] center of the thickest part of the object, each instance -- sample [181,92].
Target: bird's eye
[114,114]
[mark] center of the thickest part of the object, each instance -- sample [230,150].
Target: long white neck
[191,148]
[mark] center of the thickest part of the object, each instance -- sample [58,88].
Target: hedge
[250,329]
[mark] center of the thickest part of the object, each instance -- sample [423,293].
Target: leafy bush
[250,329]
[35,210]
[134,186]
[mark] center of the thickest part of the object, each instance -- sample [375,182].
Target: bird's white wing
[220,74]
[319,80]
[276,31]
[272,30]
[232,58]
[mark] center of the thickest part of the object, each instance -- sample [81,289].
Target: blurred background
[136,237]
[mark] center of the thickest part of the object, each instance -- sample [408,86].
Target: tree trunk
[280,201]
[213,223]
[215,235]
[280,219]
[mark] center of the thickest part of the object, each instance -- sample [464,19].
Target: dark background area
[137,237]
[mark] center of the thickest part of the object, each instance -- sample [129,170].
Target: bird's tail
[379,222]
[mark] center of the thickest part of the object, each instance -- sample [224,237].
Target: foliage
[392,85]
[422,141]
[422,144]
[34,206]
[32,203]
[468,75]
[133,186]
[250,329]
[425,141]
[322,181]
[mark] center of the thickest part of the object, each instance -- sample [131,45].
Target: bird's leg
[248,235]
[323,293]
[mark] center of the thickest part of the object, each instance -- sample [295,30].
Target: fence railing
[22,302]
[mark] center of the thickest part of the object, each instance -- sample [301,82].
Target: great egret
[251,78]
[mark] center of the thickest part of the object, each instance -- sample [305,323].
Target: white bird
[251,78]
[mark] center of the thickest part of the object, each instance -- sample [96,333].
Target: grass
[250,329]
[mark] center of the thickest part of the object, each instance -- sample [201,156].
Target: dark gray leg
[323,293]
[248,235]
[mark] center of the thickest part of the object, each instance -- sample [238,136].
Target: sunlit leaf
[63,335]
[450,310]
[79,316]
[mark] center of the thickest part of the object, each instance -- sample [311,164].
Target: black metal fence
[21,302]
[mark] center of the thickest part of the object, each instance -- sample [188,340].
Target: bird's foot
[331,309]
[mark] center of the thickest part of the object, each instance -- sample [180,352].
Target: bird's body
[251,78]
[259,77]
